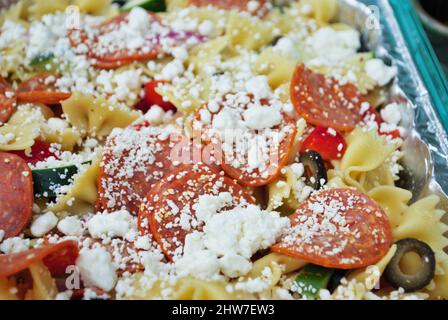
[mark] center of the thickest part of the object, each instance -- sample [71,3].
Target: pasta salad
[204,149]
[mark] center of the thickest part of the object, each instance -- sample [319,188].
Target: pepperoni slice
[57,257]
[338,228]
[169,213]
[7,101]
[135,159]
[258,8]
[324,102]
[40,89]
[278,158]
[16,194]
[269,150]
[114,55]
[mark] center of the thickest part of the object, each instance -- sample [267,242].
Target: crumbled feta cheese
[64,295]
[259,87]
[209,205]
[286,46]
[229,239]
[71,226]
[43,224]
[155,115]
[115,224]
[206,27]
[331,45]
[96,268]
[10,32]
[172,70]
[14,244]
[180,53]
[260,117]
[57,124]
[378,71]
[391,114]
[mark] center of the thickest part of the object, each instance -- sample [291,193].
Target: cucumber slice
[43,62]
[46,181]
[150,5]
[311,279]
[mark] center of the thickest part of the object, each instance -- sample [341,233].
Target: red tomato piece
[41,89]
[16,194]
[40,151]
[338,228]
[324,102]
[395,134]
[178,193]
[240,5]
[330,145]
[151,97]
[7,101]
[125,180]
[373,115]
[57,257]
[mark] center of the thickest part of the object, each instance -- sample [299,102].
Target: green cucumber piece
[311,279]
[45,181]
[150,5]
[43,62]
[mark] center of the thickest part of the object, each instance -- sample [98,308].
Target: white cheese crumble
[259,87]
[115,224]
[378,71]
[10,33]
[43,224]
[261,117]
[228,241]
[14,244]
[331,46]
[391,113]
[71,226]
[96,268]
[172,70]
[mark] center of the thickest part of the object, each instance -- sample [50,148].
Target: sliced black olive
[275,41]
[406,179]
[398,279]
[336,278]
[315,173]
[120,3]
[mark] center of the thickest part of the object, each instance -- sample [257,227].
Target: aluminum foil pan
[426,145]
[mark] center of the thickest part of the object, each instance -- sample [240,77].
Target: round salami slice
[170,212]
[107,54]
[258,8]
[323,101]
[338,228]
[135,159]
[40,89]
[277,155]
[7,101]
[252,153]
[16,194]
[57,257]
